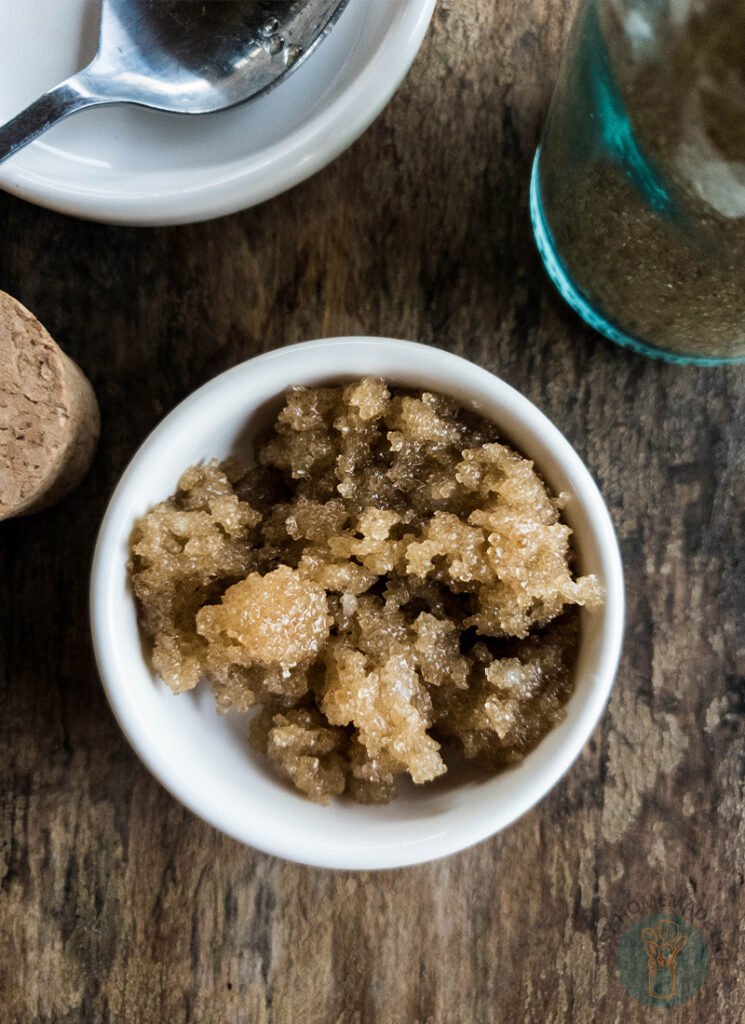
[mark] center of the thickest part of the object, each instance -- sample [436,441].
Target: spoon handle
[71,95]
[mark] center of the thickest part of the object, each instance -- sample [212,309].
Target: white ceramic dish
[127,165]
[204,759]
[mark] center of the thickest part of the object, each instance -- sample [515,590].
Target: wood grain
[116,904]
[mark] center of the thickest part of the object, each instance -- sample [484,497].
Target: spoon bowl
[182,56]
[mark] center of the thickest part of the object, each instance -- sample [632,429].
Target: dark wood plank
[118,905]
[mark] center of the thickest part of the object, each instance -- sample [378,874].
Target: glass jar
[638,187]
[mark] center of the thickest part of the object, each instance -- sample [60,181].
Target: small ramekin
[204,759]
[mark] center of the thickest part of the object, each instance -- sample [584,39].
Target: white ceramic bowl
[128,165]
[204,759]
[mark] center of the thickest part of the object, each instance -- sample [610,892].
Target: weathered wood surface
[116,904]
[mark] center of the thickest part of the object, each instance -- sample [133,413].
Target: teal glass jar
[638,186]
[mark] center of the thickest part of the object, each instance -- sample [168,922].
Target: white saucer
[127,165]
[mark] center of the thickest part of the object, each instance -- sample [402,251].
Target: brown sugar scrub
[386,578]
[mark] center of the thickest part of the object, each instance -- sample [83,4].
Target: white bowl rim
[246,183]
[351,856]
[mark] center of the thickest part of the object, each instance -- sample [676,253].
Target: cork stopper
[49,419]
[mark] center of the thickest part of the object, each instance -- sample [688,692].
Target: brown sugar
[390,581]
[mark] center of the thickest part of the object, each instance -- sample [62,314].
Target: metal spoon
[184,56]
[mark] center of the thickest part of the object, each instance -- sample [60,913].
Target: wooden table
[116,904]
